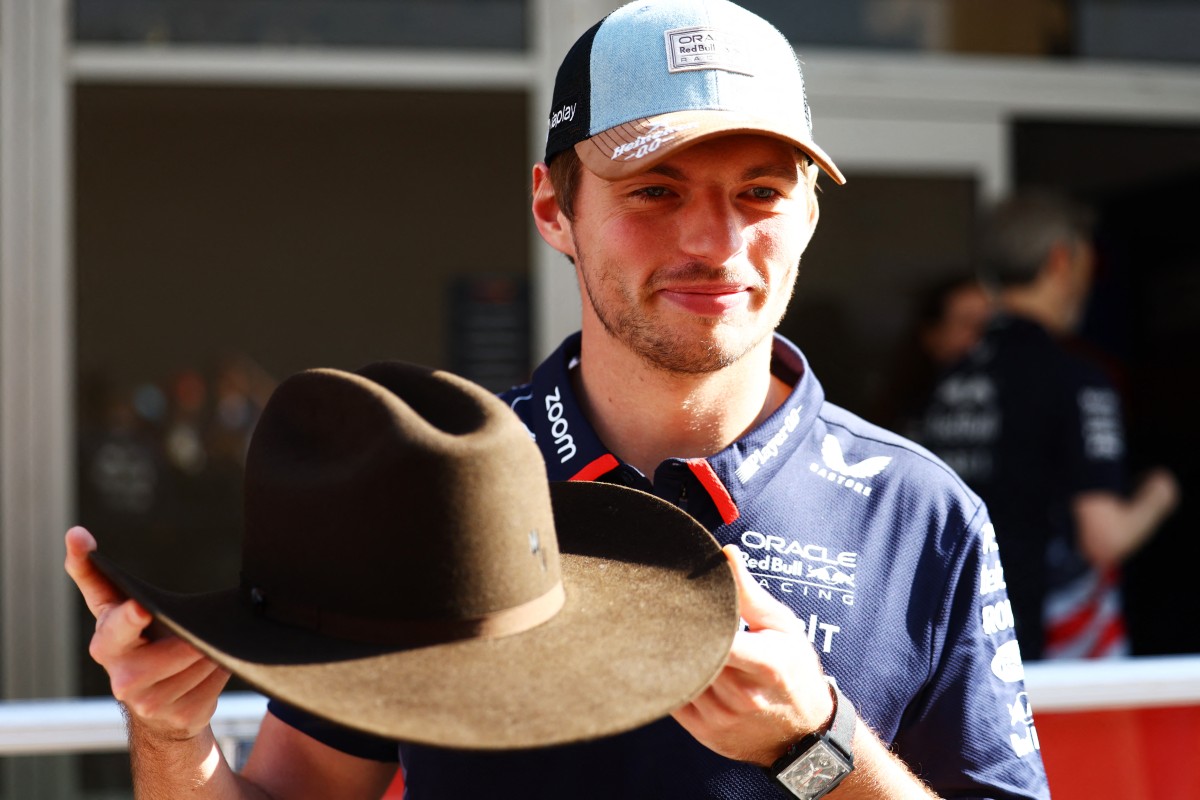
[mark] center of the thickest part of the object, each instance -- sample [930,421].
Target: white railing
[95,725]
[44,727]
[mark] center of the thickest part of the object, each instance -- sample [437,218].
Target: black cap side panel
[570,112]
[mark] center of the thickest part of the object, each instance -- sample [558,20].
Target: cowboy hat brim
[649,616]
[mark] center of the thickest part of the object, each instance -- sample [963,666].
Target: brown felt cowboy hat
[408,571]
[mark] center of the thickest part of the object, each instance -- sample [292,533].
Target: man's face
[691,264]
[966,314]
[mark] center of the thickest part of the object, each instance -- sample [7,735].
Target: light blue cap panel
[751,67]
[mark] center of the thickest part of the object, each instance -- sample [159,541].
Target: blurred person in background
[1038,431]
[951,316]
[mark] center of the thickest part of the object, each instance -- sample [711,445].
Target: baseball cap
[656,76]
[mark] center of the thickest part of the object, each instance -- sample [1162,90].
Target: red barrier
[1140,753]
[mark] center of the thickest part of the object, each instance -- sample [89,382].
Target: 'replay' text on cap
[656,76]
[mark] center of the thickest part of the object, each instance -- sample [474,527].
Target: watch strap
[841,730]
[839,734]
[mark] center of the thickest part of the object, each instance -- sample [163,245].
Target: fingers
[166,684]
[119,629]
[97,591]
[758,608]
[183,702]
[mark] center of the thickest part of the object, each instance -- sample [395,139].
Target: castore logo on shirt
[836,470]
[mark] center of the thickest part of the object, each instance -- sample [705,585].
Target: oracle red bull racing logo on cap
[704,48]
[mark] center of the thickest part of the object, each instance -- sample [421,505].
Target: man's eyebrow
[666,171]
[780,171]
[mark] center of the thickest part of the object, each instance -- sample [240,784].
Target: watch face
[816,772]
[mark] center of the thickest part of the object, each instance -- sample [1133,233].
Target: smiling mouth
[708,300]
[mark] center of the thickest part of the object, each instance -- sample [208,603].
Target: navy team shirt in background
[887,558]
[1029,426]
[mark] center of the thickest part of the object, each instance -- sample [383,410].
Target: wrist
[148,733]
[818,717]
[818,762]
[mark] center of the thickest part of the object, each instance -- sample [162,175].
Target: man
[680,181]
[950,320]
[1037,431]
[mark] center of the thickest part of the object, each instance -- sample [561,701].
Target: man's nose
[712,227]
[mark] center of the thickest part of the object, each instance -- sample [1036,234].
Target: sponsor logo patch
[991,578]
[704,48]
[559,427]
[561,115]
[988,533]
[997,618]
[646,143]
[806,569]
[848,476]
[1006,663]
[768,451]
[1020,715]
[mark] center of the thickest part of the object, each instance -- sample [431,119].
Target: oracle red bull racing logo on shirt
[790,567]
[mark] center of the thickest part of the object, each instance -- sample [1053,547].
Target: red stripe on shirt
[716,490]
[1068,628]
[601,465]
[1112,636]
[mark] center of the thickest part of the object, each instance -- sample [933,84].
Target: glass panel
[1154,30]
[1150,31]
[226,238]
[881,241]
[1137,29]
[492,24]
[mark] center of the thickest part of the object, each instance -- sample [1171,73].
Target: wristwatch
[815,765]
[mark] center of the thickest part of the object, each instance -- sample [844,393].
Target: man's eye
[763,193]
[652,191]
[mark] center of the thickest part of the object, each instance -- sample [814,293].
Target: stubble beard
[654,342]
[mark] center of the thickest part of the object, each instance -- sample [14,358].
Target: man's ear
[551,223]
[1059,264]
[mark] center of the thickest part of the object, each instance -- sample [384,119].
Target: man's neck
[1039,304]
[644,414]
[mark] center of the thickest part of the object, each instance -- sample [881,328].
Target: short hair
[565,168]
[1019,234]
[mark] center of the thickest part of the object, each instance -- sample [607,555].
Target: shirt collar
[573,451]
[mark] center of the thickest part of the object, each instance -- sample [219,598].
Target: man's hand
[772,690]
[169,688]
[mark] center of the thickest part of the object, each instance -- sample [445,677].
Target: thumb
[758,608]
[97,591]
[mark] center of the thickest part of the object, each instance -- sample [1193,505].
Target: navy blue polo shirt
[883,553]
[1029,425]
